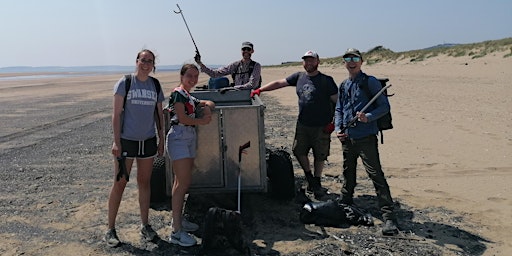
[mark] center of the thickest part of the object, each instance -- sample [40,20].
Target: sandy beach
[448,161]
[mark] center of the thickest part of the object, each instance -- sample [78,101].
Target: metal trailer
[237,119]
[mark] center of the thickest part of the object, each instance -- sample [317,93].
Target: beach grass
[380,54]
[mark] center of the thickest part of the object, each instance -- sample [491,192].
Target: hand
[361,117]
[329,128]
[341,136]
[116,149]
[255,92]
[161,149]
[197,58]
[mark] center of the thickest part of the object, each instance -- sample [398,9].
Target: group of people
[323,108]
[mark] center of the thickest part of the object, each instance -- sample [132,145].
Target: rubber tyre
[158,184]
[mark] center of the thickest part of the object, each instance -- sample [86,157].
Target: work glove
[255,92]
[197,58]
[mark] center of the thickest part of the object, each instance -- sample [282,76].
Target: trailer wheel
[158,185]
[281,180]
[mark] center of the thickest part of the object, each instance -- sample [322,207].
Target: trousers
[367,149]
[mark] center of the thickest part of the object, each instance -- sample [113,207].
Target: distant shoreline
[46,75]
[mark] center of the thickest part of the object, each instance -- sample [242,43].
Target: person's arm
[117,111]
[222,71]
[274,85]
[382,102]
[160,129]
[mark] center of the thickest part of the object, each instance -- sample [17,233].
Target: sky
[111,32]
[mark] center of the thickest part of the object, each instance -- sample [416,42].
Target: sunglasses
[146,61]
[354,59]
[246,49]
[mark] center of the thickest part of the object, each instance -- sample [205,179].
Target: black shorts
[140,149]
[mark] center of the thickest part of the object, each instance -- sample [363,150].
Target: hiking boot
[147,233]
[311,181]
[315,186]
[111,238]
[188,226]
[182,238]
[389,228]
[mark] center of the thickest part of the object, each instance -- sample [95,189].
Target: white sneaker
[188,226]
[182,238]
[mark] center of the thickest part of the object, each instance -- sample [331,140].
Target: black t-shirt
[314,92]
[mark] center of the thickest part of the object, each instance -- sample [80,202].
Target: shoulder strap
[127,84]
[364,86]
[236,71]
[158,88]
[157,85]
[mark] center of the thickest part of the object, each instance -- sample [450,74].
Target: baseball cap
[247,44]
[352,51]
[310,54]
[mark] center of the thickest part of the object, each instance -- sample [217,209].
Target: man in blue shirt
[360,139]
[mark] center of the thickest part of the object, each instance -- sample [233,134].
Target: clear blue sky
[111,32]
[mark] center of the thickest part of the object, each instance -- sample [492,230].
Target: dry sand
[448,159]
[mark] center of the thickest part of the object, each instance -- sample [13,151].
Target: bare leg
[144,170]
[116,193]
[182,169]
[304,163]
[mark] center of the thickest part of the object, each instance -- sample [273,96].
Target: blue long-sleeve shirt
[352,98]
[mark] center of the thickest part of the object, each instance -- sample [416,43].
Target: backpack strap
[158,88]
[366,89]
[251,68]
[127,84]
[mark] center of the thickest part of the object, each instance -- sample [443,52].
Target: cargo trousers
[367,149]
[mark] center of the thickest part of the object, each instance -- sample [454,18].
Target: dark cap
[311,54]
[352,51]
[247,44]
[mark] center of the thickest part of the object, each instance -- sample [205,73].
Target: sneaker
[182,238]
[111,238]
[389,228]
[188,226]
[147,233]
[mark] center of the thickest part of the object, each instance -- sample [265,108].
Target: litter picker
[181,12]
[240,151]
[354,119]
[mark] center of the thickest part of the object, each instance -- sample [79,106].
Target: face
[190,77]
[310,64]
[145,62]
[247,52]
[353,63]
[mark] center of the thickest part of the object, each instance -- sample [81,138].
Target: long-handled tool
[181,12]
[240,151]
[354,119]
[122,168]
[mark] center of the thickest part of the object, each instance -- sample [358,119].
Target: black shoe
[346,200]
[389,228]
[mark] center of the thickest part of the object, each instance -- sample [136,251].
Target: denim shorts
[181,142]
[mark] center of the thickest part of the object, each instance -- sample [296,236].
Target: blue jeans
[367,149]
